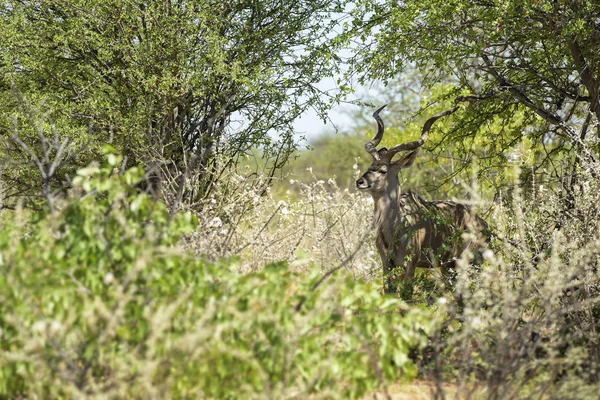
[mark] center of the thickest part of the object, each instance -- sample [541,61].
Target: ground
[419,389]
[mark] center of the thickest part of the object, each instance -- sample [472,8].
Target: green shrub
[96,301]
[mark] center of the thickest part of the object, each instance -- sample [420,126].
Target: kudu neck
[386,202]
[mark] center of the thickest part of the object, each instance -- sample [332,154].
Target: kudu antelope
[412,232]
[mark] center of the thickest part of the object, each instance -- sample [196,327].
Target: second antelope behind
[412,232]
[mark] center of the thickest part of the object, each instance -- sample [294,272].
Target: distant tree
[331,156]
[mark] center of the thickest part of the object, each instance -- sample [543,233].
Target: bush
[518,319]
[96,301]
[528,321]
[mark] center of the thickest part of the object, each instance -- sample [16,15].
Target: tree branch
[504,84]
[586,76]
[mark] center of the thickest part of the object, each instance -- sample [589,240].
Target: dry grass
[316,223]
[424,389]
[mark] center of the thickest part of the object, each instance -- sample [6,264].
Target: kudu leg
[407,287]
[404,266]
[389,280]
[395,276]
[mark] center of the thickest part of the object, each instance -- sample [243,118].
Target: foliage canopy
[524,69]
[172,85]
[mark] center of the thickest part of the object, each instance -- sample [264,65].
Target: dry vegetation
[314,223]
[524,324]
[109,293]
[140,257]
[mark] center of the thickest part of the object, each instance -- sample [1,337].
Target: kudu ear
[407,160]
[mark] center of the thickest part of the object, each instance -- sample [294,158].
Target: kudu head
[382,174]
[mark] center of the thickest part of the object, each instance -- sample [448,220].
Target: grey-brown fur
[412,232]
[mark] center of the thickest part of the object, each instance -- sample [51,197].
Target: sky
[311,126]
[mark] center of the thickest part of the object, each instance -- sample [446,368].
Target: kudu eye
[383,170]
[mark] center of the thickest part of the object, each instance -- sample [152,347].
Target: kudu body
[412,232]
